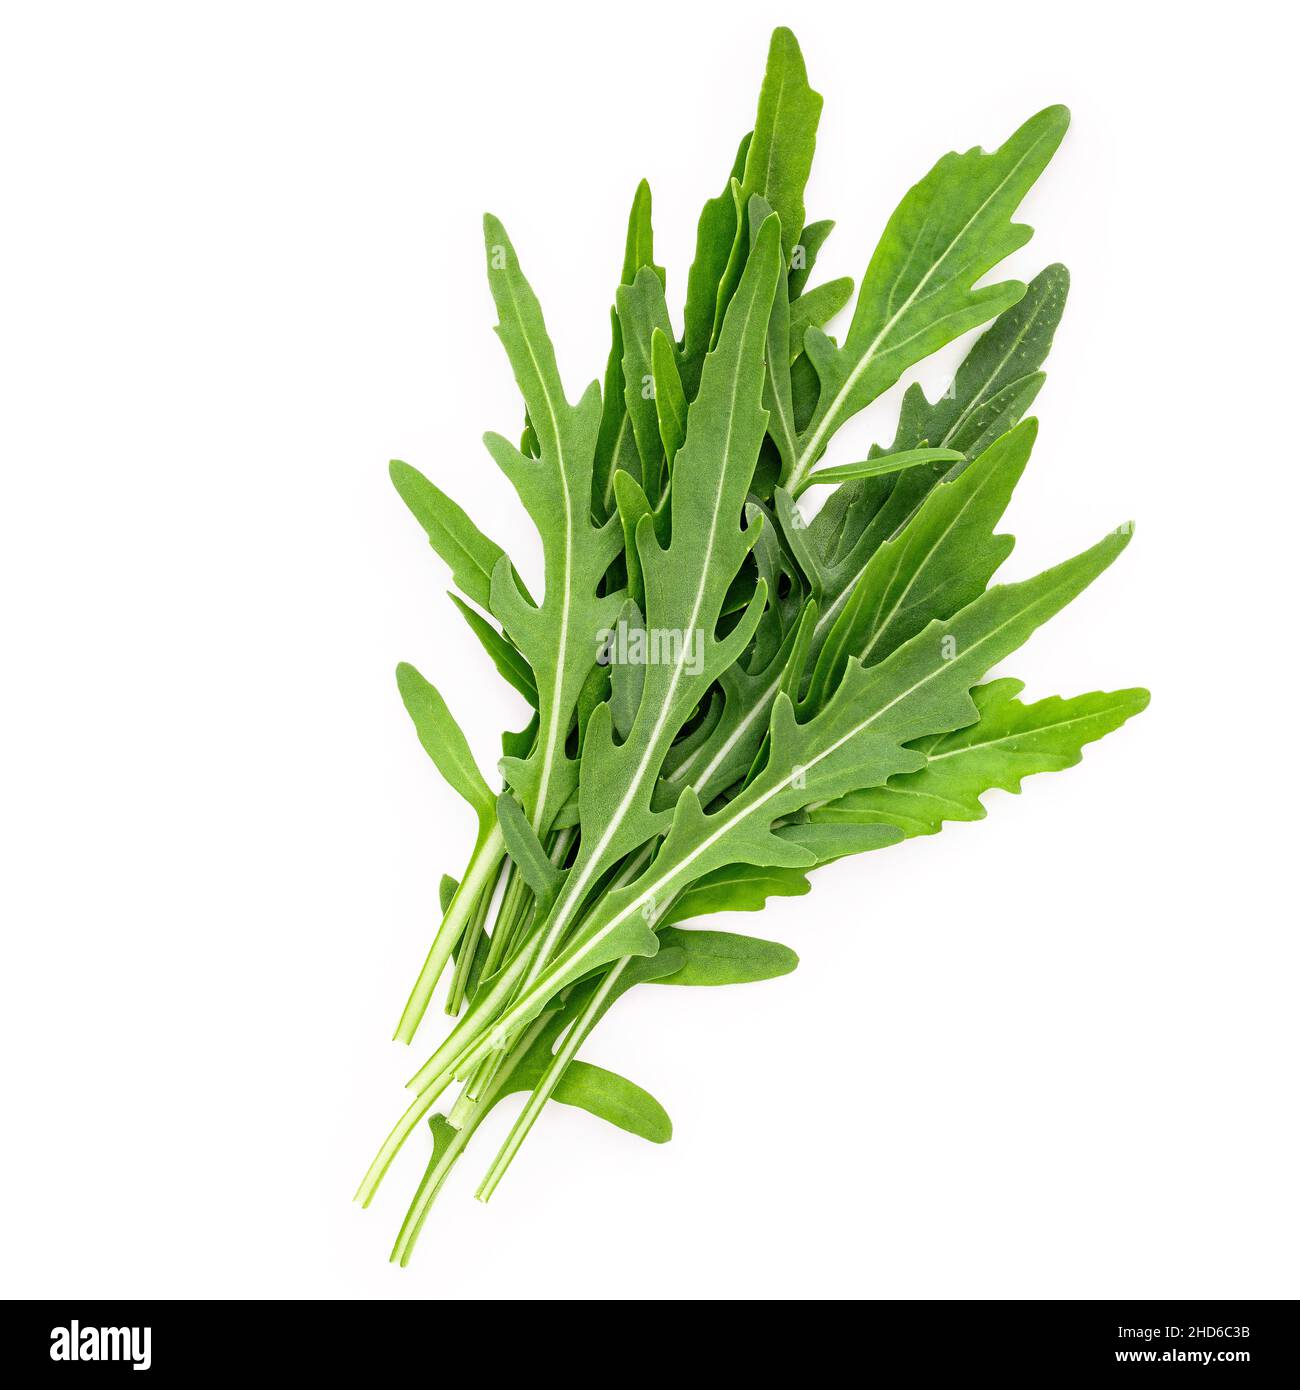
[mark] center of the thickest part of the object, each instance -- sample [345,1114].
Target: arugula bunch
[802,689]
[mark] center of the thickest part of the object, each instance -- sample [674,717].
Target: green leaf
[804,255]
[446,891]
[505,655]
[785,135]
[938,563]
[643,312]
[830,842]
[615,446]
[469,554]
[918,293]
[557,637]
[999,378]
[442,740]
[724,958]
[713,242]
[626,677]
[881,464]
[735,888]
[525,849]
[816,309]
[670,398]
[1007,743]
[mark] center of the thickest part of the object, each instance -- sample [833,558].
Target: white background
[1048,1055]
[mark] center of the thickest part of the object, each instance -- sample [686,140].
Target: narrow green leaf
[642,312]
[725,958]
[833,841]
[881,464]
[468,553]
[713,242]
[506,657]
[804,255]
[736,888]
[442,740]
[670,398]
[785,136]
[525,849]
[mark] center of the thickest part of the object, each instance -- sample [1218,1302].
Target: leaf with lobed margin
[557,636]
[1007,743]
[918,293]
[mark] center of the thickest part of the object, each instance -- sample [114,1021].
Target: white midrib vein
[1019,734]
[551,742]
[810,451]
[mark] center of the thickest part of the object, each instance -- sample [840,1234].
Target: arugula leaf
[941,560]
[780,154]
[442,740]
[556,638]
[804,256]
[505,656]
[918,293]
[1007,743]
[724,958]
[469,554]
[713,242]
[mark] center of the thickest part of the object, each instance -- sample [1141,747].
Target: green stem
[465,1117]
[551,1078]
[469,945]
[478,1025]
[482,866]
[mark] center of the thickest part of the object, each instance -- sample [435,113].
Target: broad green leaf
[442,740]
[557,637]
[468,553]
[724,958]
[919,291]
[505,655]
[1007,743]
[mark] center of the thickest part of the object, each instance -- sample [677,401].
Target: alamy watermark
[625,645]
